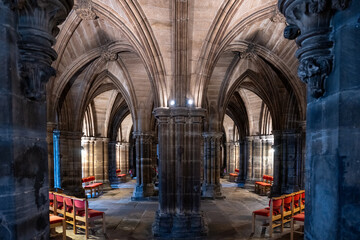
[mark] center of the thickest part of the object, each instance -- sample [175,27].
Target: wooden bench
[233,176]
[91,185]
[56,221]
[263,187]
[121,176]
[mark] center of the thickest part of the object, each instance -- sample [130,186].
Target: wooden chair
[59,204]
[297,218]
[288,209]
[264,186]
[302,200]
[56,221]
[273,213]
[51,202]
[296,203]
[121,176]
[69,213]
[84,214]
[91,185]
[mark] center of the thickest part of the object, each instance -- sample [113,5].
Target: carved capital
[85,11]
[37,26]
[277,17]
[309,23]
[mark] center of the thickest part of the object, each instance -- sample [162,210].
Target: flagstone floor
[226,219]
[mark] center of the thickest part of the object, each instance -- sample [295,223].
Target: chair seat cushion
[91,213]
[93,185]
[299,217]
[233,174]
[262,212]
[55,219]
[122,175]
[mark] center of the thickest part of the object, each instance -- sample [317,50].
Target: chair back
[51,196]
[80,204]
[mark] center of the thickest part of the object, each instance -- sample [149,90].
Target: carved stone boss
[309,22]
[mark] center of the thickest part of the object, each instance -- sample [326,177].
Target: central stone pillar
[70,157]
[179,138]
[212,163]
[287,162]
[144,185]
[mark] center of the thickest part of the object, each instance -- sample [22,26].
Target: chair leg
[74,226]
[64,230]
[270,228]
[104,227]
[292,229]
[253,223]
[86,229]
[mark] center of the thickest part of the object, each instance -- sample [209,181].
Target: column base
[211,191]
[143,192]
[179,226]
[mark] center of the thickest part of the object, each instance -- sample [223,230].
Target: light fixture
[172,102]
[190,101]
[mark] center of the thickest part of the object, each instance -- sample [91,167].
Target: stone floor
[227,219]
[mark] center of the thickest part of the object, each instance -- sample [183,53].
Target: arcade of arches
[191,88]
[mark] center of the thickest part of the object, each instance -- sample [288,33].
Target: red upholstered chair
[90,184]
[273,213]
[288,210]
[68,208]
[296,203]
[297,218]
[56,221]
[85,214]
[122,177]
[232,177]
[302,200]
[51,201]
[59,204]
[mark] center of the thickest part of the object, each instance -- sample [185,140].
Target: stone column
[287,161]
[124,157]
[113,157]
[27,31]
[91,158]
[70,157]
[329,64]
[144,185]
[85,150]
[242,163]
[257,158]
[211,187]
[101,160]
[249,158]
[179,134]
[49,139]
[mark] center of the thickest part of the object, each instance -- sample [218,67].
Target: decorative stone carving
[85,11]
[277,17]
[248,53]
[37,26]
[107,55]
[309,22]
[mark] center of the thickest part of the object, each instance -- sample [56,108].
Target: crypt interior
[178,109]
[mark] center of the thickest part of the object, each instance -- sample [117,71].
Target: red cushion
[299,217]
[233,174]
[55,219]
[118,170]
[91,213]
[122,175]
[262,212]
[94,185]
[237,170]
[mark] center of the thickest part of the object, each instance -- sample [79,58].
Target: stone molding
[213,135]
[309,22]
[144,137]
[84,10]
[37,28]
[107,55]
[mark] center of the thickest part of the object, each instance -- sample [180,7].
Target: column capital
[213,135]
[37,27]
[309,23]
